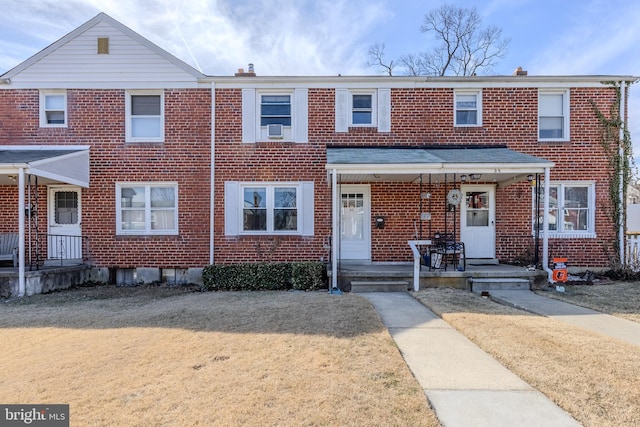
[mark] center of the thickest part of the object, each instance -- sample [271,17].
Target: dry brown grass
[620,299]
[165,357]
[594,378]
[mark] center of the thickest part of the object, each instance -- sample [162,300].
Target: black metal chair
[446,250]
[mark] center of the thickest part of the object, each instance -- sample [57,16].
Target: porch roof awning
[406,164]
[68,165]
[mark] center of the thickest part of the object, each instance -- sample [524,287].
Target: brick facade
[421,114]
[419,117]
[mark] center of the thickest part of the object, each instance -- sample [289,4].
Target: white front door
[355,222]
[478,221]
[65,211]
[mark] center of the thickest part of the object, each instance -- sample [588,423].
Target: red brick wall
[97,118]
[419,117]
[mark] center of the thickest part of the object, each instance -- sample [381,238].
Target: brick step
[499,284]
[379,286]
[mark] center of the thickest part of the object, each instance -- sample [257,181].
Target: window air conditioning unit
[274,131]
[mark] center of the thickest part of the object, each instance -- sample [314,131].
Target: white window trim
[270,187]
[568,234]
[289,131]
[147,231]
[43,115]
[128,126]
[565,113]
[234,205]
[374,108]
[478,94]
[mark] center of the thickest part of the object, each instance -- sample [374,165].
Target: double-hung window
[363,108]
[271,208]
[144,116]
[571,209]
[362,111]
[275,110]
[53,108]
[254,208]
[553,115]
[468,108]
[147,208]
[275,115]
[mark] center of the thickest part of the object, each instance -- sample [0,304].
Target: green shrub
[308,276]
[264,276]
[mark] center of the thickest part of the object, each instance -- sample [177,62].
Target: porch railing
[57,249]
[632,257]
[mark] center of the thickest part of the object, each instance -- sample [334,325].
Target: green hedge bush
[264,276]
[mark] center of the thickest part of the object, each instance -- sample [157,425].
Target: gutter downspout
[213,174]
[21,234]
[335,230]
[545,227]
[621,217]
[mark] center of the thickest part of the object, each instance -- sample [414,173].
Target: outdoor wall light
[380,221]
[475,176]
[531,180]
[463,178]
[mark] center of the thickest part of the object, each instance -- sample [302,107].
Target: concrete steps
[379,286]
[479,285]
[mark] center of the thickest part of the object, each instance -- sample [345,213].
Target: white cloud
[281,37]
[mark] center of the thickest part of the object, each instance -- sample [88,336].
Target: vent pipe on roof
[250,73]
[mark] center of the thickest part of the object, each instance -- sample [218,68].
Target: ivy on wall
[619,153]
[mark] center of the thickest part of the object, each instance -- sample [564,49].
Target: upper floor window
[144,116]
[571,209]
[275,115]
[53,108]
[553,115]
[362,108]
[363,112]
[275,109]
[147,208]
[468,108]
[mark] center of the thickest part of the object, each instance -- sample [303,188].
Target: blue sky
[329,37]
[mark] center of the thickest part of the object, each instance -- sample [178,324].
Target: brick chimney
[250,73]
[519,72]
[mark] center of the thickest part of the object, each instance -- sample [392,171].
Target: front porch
[400,276]
[45,279]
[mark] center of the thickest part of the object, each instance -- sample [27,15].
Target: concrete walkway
[465,385]
[584,318]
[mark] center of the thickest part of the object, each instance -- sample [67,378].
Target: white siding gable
[132,62]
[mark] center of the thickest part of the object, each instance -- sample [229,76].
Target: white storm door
[478,221]
[64,241]
[355,225]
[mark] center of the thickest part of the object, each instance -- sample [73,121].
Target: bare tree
[462,47]
[376,58]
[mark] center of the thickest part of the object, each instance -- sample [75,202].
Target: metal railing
[57,249]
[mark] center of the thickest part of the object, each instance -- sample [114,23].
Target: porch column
[545,226]
[335,229]
[21,233]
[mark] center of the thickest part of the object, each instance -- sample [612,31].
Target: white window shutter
[301,115]
[342,110]
[307,209]
[384,110]
[231,206]
[249,118]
